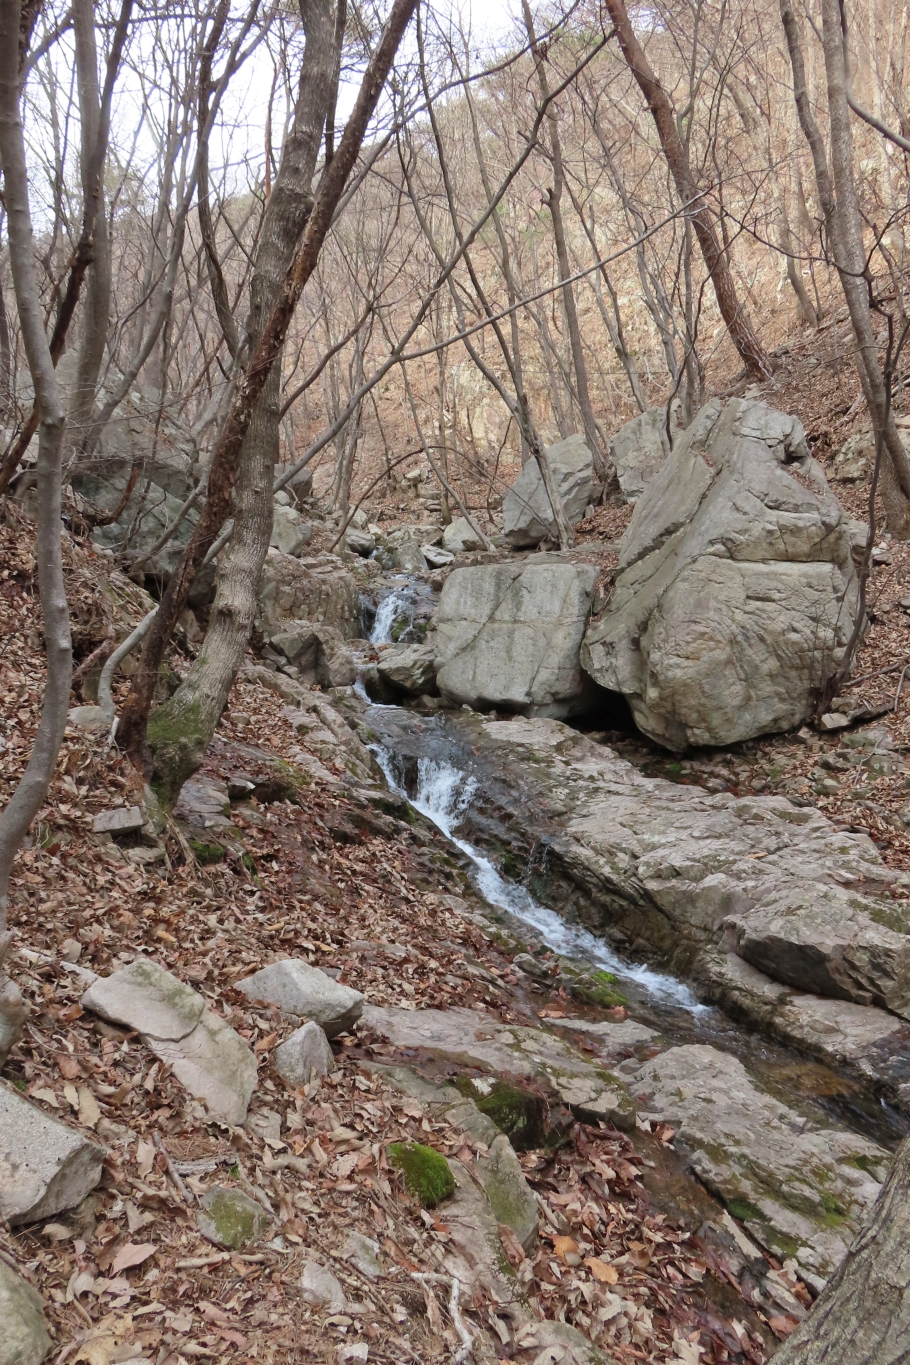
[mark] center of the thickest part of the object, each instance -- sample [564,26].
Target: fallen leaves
[132,1254]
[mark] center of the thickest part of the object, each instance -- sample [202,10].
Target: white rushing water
[399,602]
[443,795]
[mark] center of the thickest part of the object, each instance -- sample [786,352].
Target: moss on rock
[426,1173]
[518,1113]
[597,988]
[206,854]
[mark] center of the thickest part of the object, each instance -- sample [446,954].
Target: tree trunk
[863,1316]
[751,351]
[29,795]
[837,195]
[183,727]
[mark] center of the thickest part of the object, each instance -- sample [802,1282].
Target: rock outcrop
[508,635]
[321,590]
[460,535]
[735,590]
[45,1167]
[206,1055]
[801,1190]
[318,652]
[640,449]
[527,517]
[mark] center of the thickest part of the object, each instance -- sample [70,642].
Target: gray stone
[640,448]
[45,1166]
[299,989]
[403,548]
[473,1039]
[91,718]
[321,1289]
[319,651]
[612,1039]
[460,535]
[527,517]
[854,459]
[320,589]
[800,1190]
[206,1055]
[509,634]
[359,542]
[735,589]
[307,1050]
[364,1254]
[24,1339]
[122,820]
[290,533]
[409,668]
[436,557]
[230,1218]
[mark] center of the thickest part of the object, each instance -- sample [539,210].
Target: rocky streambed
[787,1102]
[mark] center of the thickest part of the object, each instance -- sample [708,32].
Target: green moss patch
[744,1211]
[597,988]
[518,1113]
[206,853]
[426,1173]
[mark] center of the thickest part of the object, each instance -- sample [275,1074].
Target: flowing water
[430,763]
[401,612]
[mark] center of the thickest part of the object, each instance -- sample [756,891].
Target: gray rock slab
[299,989]
[509,635]
[801,1190]
[45,1167]
[320,589]
[469,1037]
[207,1056]
[230,1218]
[122,820]
[735,590]
[289,531]
[612,1039]
[527,517]
[318,651]
[459,536]
[409,668]
[320,1288]
[638,450]
[307,1050]
[24,1339]
[364,1254]
[680,869]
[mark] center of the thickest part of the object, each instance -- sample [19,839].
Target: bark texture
[29,795]
[863,1316]
[181,731]
[742,333]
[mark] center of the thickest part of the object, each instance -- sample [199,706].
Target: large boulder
[527,517]
[319,589]
[640,448]
[318,651]
[735,591]
[45,1166]
[205,1054]
[508,635]
[289,530]
[460,535]
[306,992]
[410,669]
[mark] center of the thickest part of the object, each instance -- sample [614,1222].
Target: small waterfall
[443,795]
[395,605]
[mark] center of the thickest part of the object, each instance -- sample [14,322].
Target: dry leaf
[89,1111]
[67,1066]
[565,1246]
[132,1253]
[602,1270]
[145,1158]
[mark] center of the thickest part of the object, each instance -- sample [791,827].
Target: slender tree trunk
[29,795]
[837,195]
[184,725]
[863,1316]
[742,334]
[554,198]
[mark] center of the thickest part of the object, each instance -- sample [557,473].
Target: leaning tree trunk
[29,795]
[184,726]
[742,334]
[863,1316]
[840,206]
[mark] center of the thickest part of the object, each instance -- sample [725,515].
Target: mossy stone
[520,1114]
[426,1173]
[229,1218]
[206,853]
[597,988]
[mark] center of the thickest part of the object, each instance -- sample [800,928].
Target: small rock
[532,967]
[359,542]
[436,557]
[206,1055]
[358,1350]
[307,1050]
[460,535]
[364,1254]
[24,1340]
[834,720]
[826,786]
[320,1288]
[71,950]
[229,1218]
[123,820]
[297,988]
[92,718]
[45,1166]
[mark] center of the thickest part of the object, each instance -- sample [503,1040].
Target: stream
[431,762]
